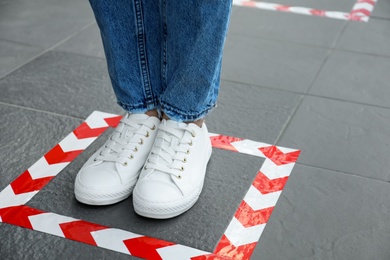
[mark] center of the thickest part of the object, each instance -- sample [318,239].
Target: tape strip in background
[361,10]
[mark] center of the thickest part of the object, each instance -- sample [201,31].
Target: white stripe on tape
[113,238]
[258,201]
[49,223]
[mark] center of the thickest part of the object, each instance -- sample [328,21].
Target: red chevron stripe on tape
[57,155]
[146,247]
[361,11]
[18,215]
[224,142]
[84,131]
[210,257]
[226,249]
[81,231]
[318,12]
[278,157]
[24,183]
[371,2]
[265,185]
[249,217]
[113,121]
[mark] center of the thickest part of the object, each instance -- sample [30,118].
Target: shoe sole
[90,198]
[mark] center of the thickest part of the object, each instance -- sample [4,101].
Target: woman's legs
[167,56]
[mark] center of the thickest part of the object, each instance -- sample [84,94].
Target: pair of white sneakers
[163,163]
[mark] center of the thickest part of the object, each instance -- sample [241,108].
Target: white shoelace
[125,140]
[171,148]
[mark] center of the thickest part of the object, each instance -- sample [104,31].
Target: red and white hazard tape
[238,241]
[361,11]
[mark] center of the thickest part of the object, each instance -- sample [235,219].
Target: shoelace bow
[127,136]
[170,149]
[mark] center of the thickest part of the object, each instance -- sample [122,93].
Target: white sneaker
[173,176]
[110,174]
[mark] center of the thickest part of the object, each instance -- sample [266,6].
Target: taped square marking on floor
[360,11]
[237,242]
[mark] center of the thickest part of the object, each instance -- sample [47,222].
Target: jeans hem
[138,108]
[184,116]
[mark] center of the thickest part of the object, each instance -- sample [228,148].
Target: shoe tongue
[174,124]
[138,116]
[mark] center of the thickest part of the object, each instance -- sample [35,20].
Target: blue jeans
[164,54]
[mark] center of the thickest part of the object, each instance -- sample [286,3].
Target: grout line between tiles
[79,54]
[48,49]
[330,51]
[344,173]
[41,111]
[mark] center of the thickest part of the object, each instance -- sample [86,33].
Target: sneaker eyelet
[141,141]
[193,134]
[145,168]
[131,156]
[94,160]
[124,164]
[178,176]
[184,160]
[153,128]
[147,134]
[135,149]
[190,143]
[188,151]
[182,168]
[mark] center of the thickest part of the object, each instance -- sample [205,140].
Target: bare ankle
[152,113]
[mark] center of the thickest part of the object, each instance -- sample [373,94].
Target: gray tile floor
[317,84]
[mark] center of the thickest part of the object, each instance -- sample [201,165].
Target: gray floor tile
[341,136]
[356,77]
[25,137]
[13,55]
[329,5]
[63,83]
[381,9]
[286,26]
[251,112]
[23,243]
[271,63]
[229,176]
[372,37]
[327,215]
[86,42]
[43,23]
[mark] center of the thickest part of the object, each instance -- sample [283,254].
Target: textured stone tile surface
[328,215]
[286,26]
[229,176]
[63,83]
[271,63]
[259,116]
[372,37]
[355,77]
[13,55]
[43,23]
[86,42]
[382,9]
[341,136]
[25,137]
